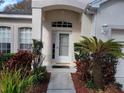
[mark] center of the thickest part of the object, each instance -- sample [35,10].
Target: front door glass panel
[63,44]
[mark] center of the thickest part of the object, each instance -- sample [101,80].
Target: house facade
[61,23]
[108,23]
[15,32]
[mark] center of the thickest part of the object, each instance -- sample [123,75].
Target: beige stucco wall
[86,25]
[60,15]
[48,17]
[15,24]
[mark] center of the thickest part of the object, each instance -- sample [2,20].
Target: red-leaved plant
[21,60]
[82,71]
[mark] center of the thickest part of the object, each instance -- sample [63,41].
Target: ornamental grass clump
[101,58]
[13,82]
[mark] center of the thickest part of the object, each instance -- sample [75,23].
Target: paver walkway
[61,82]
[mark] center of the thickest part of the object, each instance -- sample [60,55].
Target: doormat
[56,66]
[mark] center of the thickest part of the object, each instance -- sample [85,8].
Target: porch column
[85,25]
[37,23]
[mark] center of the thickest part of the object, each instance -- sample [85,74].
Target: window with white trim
[5,39]
[62,24]
[25,40]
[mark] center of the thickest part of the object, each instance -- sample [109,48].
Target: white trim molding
[15,16]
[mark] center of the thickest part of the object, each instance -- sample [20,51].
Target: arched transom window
[5,39]
[62,24]
[25,40]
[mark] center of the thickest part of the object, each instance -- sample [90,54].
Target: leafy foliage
[37,46]
[39,58]
[101,58]
[83,71]
[23,7]
[13,82]
[99,48]
[90,84]
[40,74]
[109,68]
[22,59]
[82,56]
[4,58]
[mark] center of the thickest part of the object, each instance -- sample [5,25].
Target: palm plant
[98,47]
[97,50]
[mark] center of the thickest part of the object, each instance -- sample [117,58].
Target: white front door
[61,47]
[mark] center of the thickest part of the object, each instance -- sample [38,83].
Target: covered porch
[59,24]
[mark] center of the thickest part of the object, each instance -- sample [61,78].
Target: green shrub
[13,82]
[5,57]
[40,74]
[81,56]
[90,84]
[120,86]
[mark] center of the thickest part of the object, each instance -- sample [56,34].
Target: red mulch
[41,88]
[80,88]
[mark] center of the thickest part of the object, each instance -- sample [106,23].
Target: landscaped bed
[96,64]
[16,75]
[23,72]
[81,88]
[40,88]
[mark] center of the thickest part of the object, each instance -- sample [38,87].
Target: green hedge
[5,57]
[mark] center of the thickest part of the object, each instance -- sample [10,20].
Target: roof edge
[97,3]
[93,6]
[15,16]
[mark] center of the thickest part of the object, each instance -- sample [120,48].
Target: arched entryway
[58,25]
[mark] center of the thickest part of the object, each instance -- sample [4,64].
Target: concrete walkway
[61,82]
